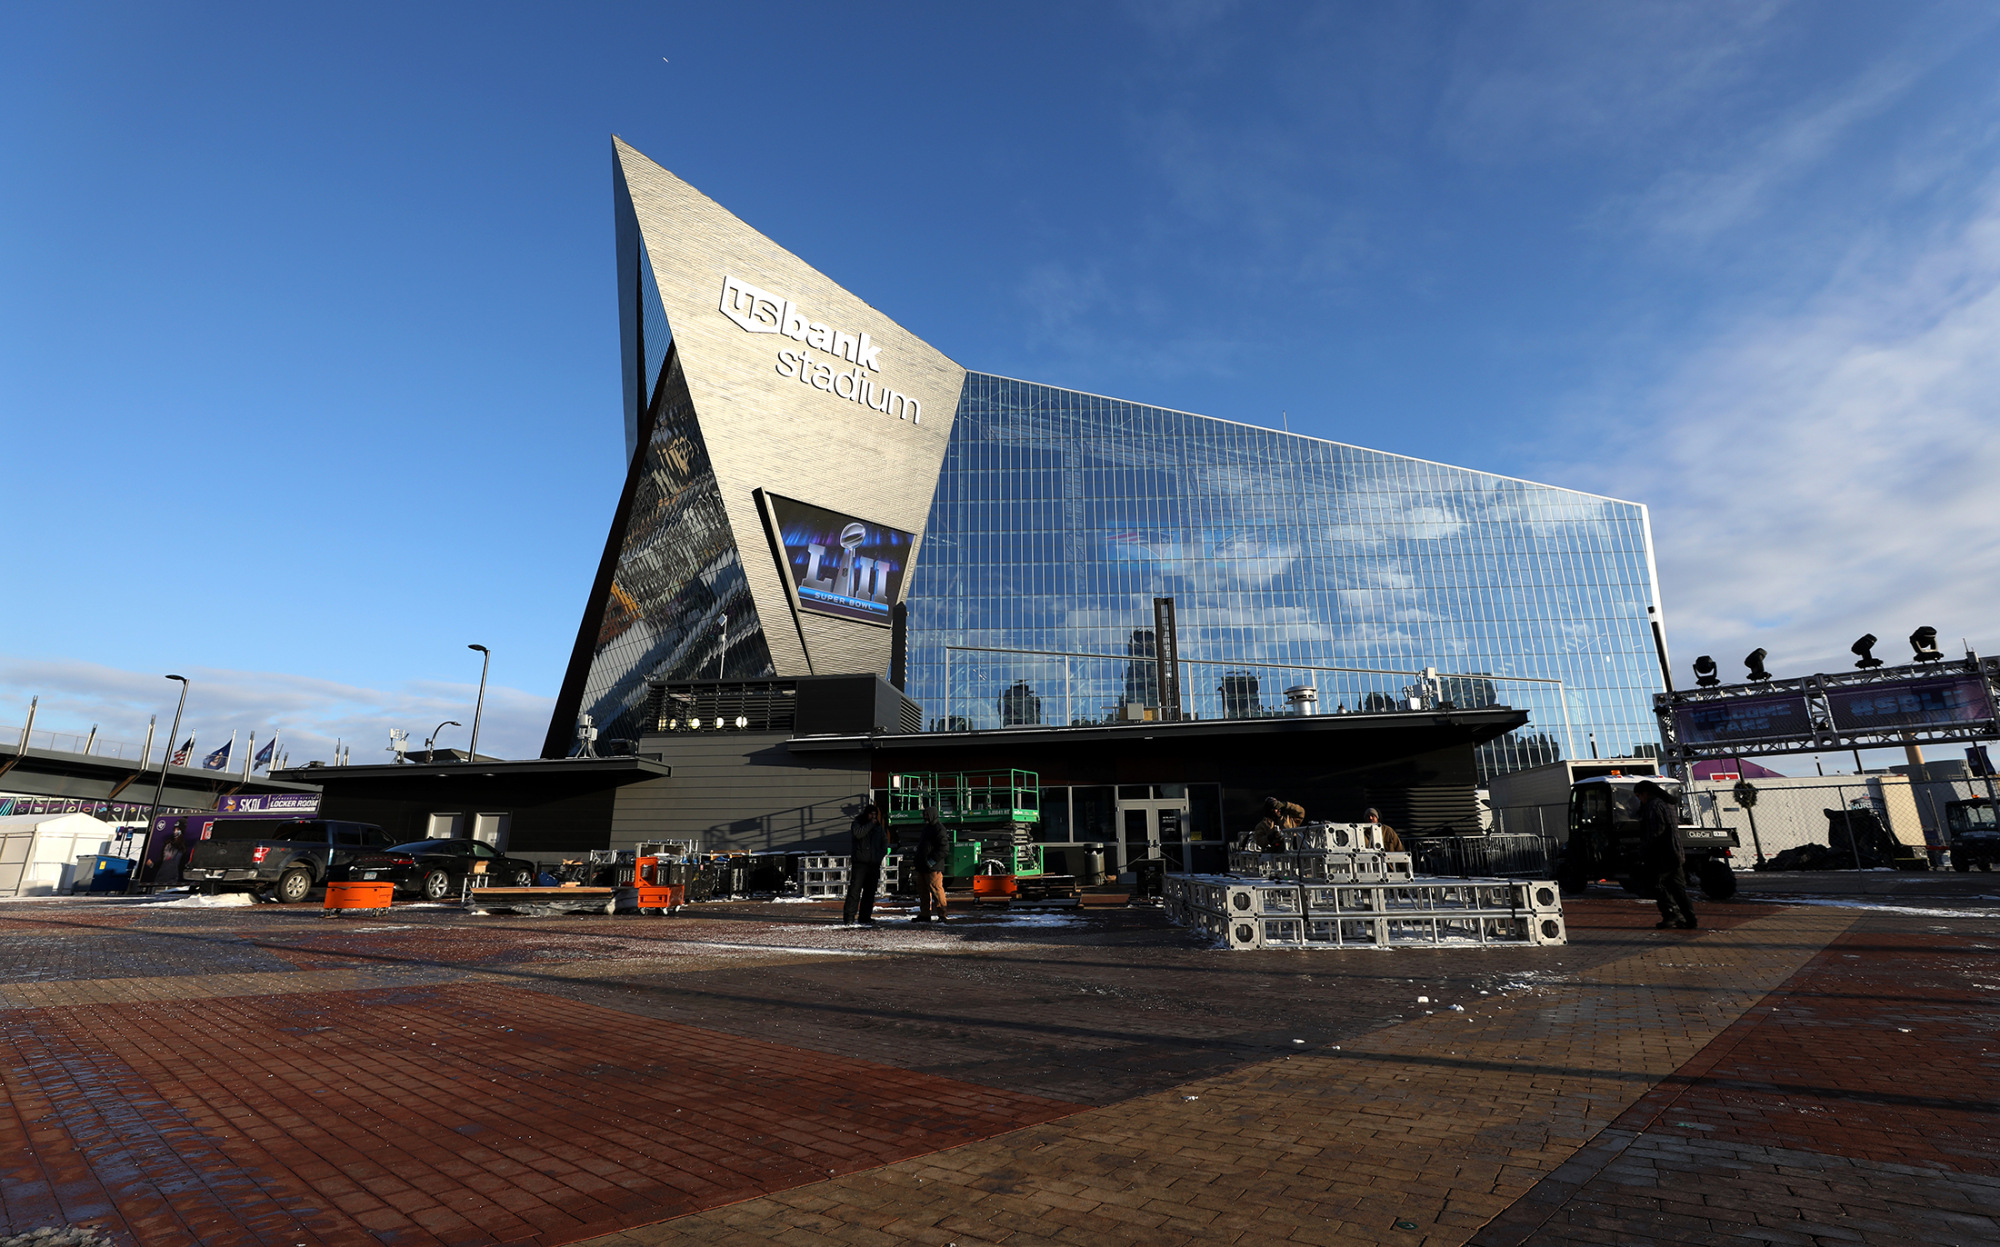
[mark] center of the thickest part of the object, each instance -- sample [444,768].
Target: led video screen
[840,565]
[1920,703]
[1743,720]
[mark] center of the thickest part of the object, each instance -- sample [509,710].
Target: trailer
[657,883]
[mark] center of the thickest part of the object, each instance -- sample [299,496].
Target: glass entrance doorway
[1152,822]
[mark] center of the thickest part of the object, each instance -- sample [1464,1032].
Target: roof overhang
[1474,727]
[623,770]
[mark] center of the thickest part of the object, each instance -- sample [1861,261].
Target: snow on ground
[221,900]
[1056,918]
[1922,911]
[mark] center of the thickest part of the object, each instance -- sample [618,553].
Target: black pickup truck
[286,858]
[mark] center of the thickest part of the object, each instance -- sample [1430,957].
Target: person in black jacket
[870,844]
[933,856]
[172,854]
[1665,861]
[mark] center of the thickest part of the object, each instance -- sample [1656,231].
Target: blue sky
[308,344]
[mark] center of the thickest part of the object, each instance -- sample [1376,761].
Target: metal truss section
[1919,704]
[1423,913]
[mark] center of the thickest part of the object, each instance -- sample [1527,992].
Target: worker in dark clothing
[1391,842]
[1662,853]
[1268,836]
[870,844]
[933,856]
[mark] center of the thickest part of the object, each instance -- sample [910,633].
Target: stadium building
[813,490]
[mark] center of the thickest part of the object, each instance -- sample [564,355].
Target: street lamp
[486,657]
[430,744]
[153,812]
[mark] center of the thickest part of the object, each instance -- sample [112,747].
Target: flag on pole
[219,760]
[185,752]
[270,750]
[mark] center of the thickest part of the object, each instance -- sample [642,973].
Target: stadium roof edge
[1245,424]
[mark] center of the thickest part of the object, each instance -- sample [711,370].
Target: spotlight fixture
[1864,650]
[1755,661]
[1924,642]
[1704,672]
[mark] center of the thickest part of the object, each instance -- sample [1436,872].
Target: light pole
[153,812]
[486,657]
[721,644]
[430,744]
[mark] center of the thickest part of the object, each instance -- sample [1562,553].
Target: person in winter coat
[1391,842]
[869,845]
[1664,857]
[933,856]
[1279,816]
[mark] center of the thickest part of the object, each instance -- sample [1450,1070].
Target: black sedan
[442,866]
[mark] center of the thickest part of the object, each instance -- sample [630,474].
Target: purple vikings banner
[1781,717]
[303,804]
[1939,702]
[840,565]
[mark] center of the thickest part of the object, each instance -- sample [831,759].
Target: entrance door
[1152,826]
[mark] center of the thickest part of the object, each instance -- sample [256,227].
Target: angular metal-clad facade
[855,425]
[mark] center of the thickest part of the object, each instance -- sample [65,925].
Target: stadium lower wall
[742,792]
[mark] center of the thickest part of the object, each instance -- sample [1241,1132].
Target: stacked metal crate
[826,875]
[822,875]
[1362,866]
[1264,913]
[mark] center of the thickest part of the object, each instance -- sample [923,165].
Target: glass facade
[1059,516]
[678,574]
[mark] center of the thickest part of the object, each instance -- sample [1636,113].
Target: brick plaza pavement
[1790,1074]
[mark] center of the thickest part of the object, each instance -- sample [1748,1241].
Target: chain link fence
[1791,813]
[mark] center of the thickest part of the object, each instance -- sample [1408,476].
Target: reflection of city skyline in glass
[1059,516]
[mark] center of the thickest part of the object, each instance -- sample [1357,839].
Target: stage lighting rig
[1864,650]
[1924,642]
[1704,672]
[1755,661]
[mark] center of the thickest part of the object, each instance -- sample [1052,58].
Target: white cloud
[1747,172]
[1831,471]
[1553,78]
[310,713]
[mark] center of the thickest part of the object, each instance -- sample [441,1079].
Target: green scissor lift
[991,816]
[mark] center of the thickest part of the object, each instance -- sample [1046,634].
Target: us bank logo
[759,311]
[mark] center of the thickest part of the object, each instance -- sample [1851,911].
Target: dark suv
[443,865]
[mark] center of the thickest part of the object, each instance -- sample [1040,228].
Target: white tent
[38,852]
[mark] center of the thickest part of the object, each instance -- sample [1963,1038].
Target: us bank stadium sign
[846,373]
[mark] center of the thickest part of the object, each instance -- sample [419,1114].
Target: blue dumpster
[101,872]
